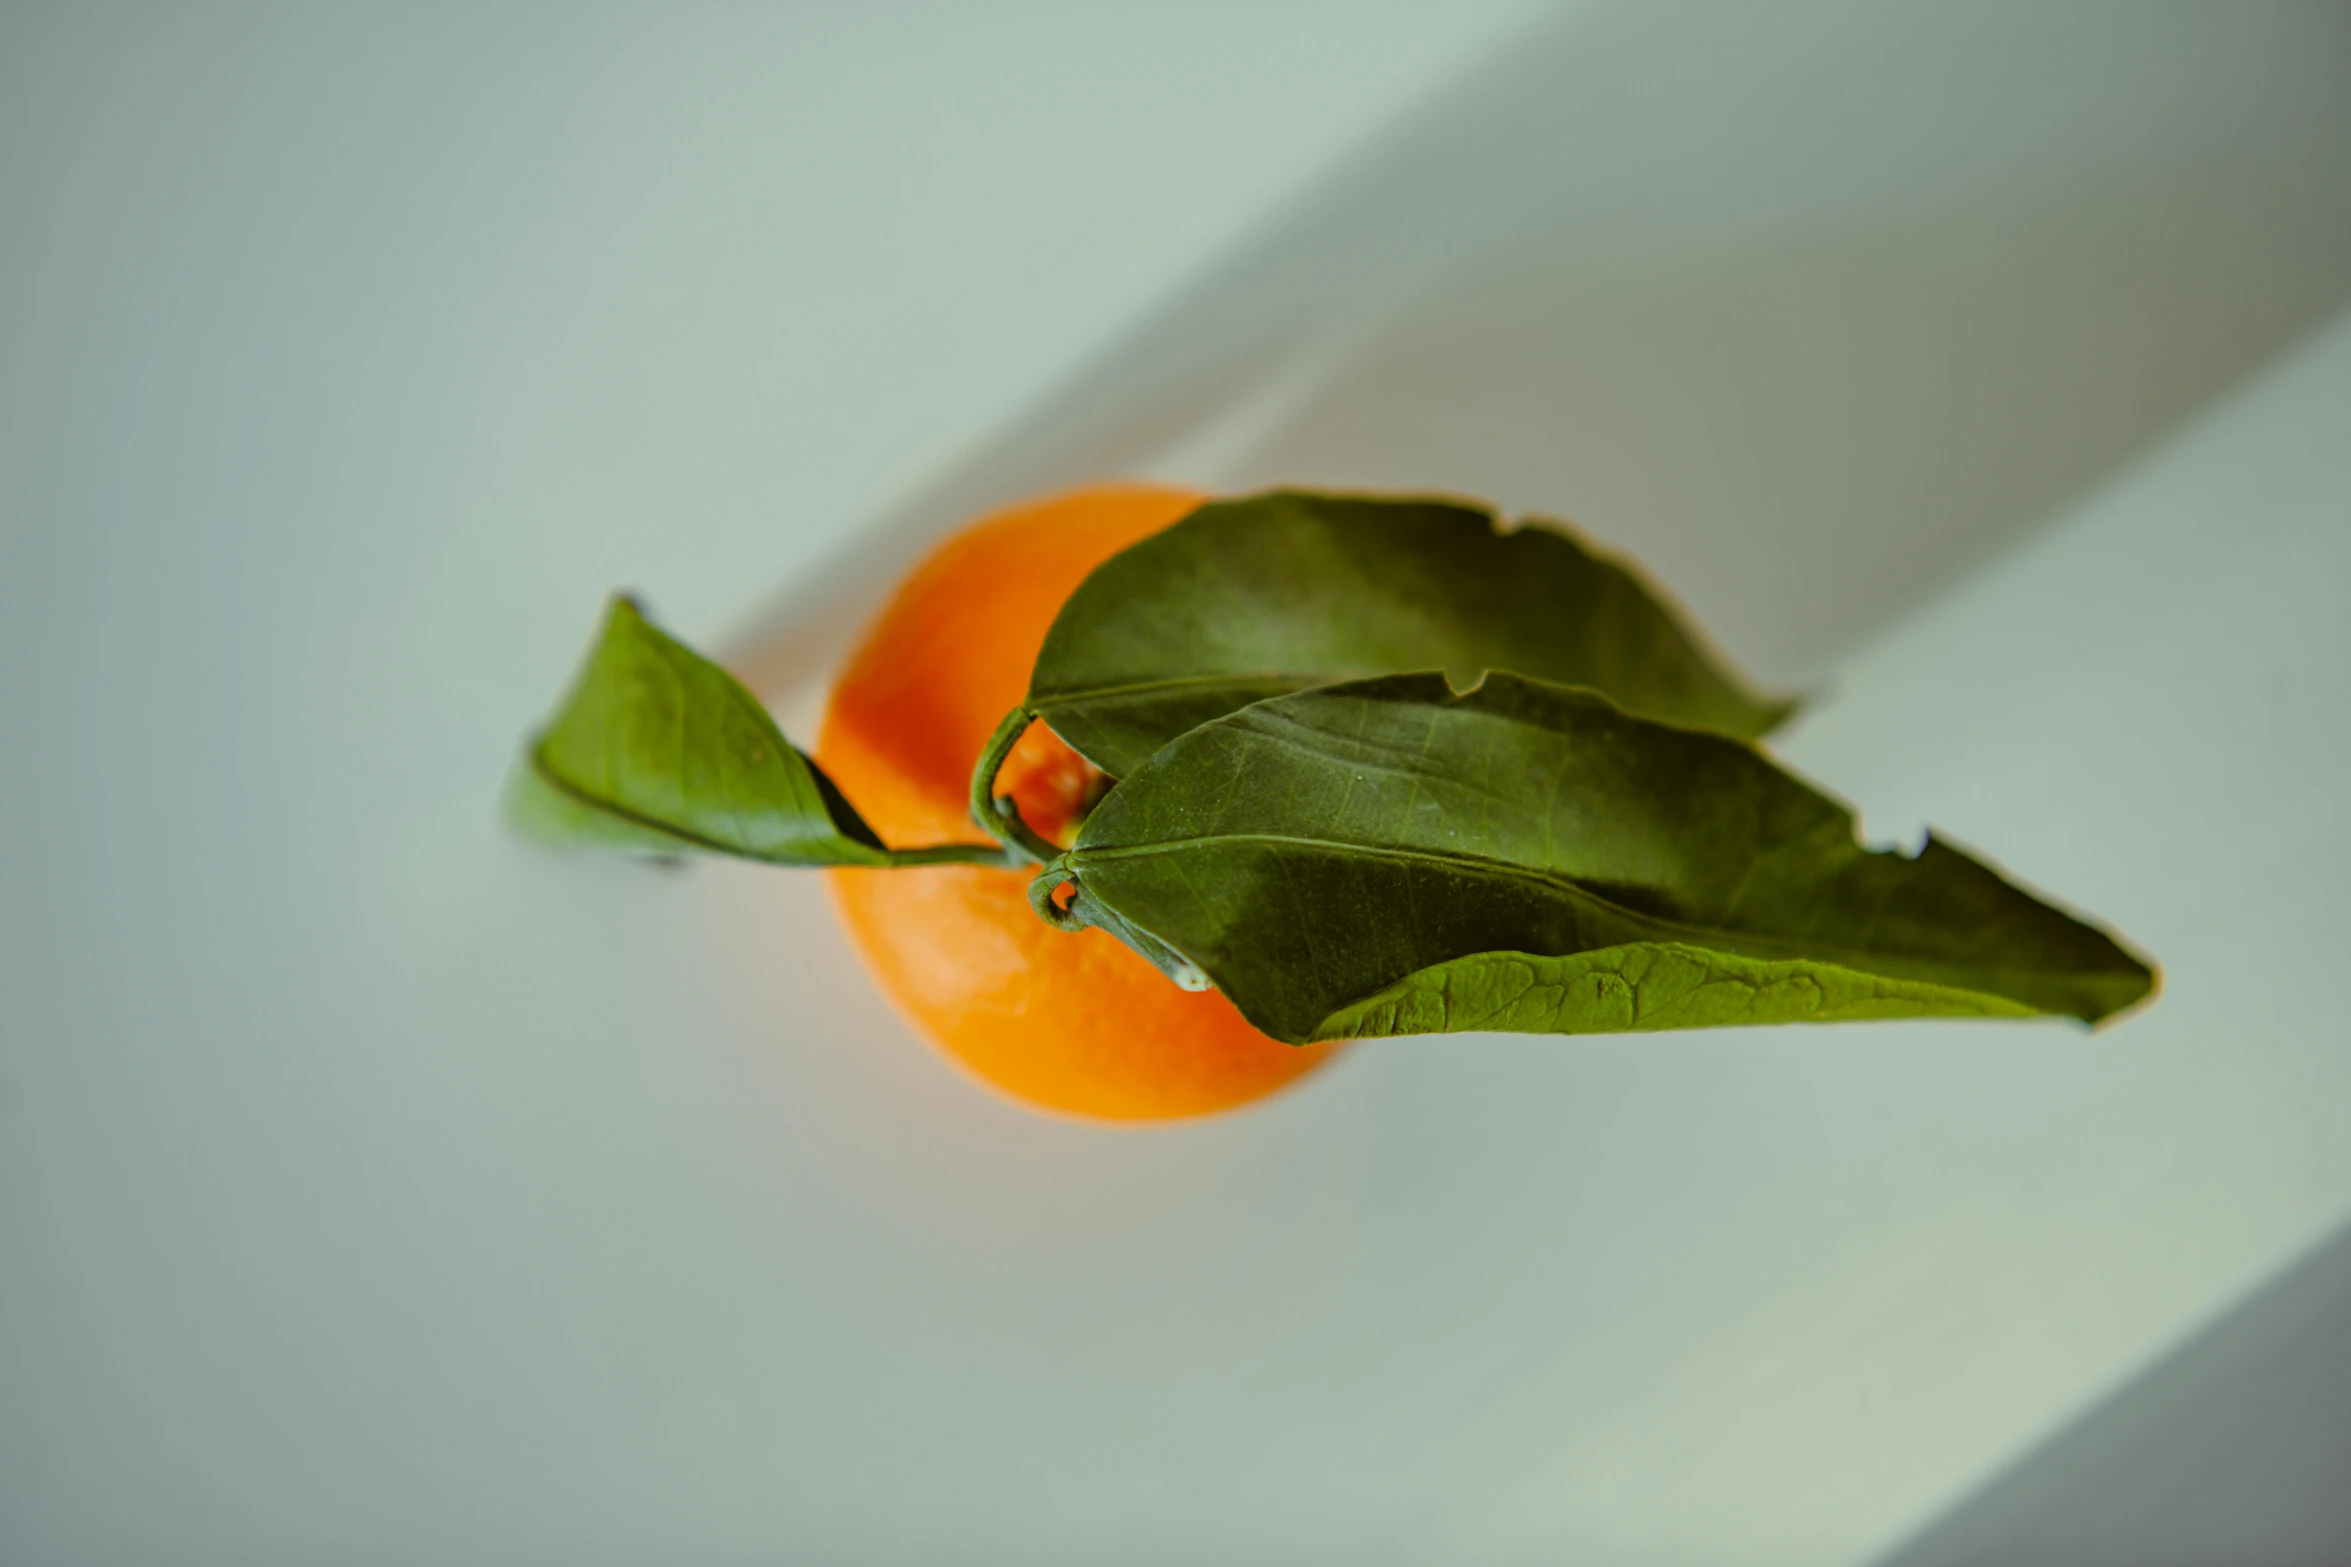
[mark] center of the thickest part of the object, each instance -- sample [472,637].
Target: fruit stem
[996,814]
[1041,890]
[956,854]
[1187,974]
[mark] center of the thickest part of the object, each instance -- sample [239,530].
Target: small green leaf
[659,750]
[1250,598]
[1387,856]
[558,819]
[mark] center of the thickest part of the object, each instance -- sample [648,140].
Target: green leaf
[558,819]
[1250,598]
[658,750]
[1388,856]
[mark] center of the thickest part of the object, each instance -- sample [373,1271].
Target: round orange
[1069,1022]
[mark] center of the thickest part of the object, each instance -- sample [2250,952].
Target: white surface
[367,1189]
[374,1189]
[1949,1239]
[1810,306]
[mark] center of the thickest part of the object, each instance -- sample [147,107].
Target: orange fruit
[1068,1022]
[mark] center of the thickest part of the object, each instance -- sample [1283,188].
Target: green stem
[997,815]
[955,854]
[1042,886]
[1080,914]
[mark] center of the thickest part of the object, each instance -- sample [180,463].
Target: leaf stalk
[997,815]
[955,854]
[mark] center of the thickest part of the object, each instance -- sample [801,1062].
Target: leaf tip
[2147,996]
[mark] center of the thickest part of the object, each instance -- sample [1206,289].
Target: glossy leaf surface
[1387,857]
[1272,593]
[659,750]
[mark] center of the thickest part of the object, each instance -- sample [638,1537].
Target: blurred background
[374,1189]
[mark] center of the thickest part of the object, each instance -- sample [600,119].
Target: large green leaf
[1250,598]
[659,750]
[1387,856]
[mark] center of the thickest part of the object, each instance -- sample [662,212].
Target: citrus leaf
[558,819]
[1387,856]
[1643,986]
[1250,598]
[658,750]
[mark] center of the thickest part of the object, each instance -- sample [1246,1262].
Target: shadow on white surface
[1810,308]
[2233,1448]
[1820,313]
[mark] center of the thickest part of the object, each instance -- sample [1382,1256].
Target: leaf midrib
[564,786]
[1781,947]
[1179,683]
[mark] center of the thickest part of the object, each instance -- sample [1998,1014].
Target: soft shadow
[1811,308]
[2236,1448]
